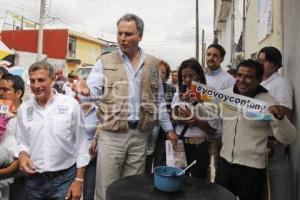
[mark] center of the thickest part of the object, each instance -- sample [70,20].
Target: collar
[123,55]
[55,94]
[259,89]
[91,108]
[214,72]
[271,78]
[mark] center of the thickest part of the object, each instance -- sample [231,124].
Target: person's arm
[81,141]
[9,170]
[283,93]
[284,131]
[93,147]
[75,190]
[164,118]
[190,119]
[92,87]
[82,154]
[204,125]
[25,163]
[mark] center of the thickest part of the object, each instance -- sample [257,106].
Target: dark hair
[273,55]
[193,65]
[17,82]
[219,47]
[71,75]
[3,70]
[42,65]
[168,69]
[259,68]
[138,22]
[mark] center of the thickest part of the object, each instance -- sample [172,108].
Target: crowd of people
[73,138]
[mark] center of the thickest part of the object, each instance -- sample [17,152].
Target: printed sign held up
[253,108]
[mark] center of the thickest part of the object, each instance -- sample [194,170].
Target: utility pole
[41,27]
[232,49]
[244,26]
[197,32]
[203,50]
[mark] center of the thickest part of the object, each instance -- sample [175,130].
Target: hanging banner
[253,108]
[265,21]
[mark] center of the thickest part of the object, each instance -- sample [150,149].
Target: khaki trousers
[119,155]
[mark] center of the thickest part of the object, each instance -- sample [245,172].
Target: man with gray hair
[52,140]
[129,88]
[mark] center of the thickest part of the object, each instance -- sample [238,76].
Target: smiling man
[242,163]
[52,139]
[128,84]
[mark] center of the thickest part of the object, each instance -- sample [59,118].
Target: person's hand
[182,114]
[93,147]
[82,88]
[75,190]
[171,135]
[25,164]
[190,122]
[279,112]
[186,96]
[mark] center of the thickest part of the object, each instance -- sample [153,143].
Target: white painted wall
[275,39]
[291,49]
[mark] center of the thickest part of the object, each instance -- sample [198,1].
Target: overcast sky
[169,24]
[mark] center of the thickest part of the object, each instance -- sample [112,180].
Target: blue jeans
[89,180]
[44,187]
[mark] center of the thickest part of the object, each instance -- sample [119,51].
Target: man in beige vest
[128,86]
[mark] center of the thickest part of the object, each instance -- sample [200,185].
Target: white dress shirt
[95,83]
[280,89]
[54,135]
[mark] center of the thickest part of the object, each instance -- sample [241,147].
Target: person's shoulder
[26,106]
[29,102]
[109,57]
[152,60]
[226,75]
[278,85]
[281,81]
[106,54]
[11,122]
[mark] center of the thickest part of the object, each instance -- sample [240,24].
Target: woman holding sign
[190,128]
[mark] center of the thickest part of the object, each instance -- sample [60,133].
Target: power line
[23,7]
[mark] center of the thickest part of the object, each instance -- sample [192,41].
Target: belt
[133,124]
[55,173]
[195,140]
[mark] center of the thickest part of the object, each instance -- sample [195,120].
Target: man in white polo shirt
[277,86]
